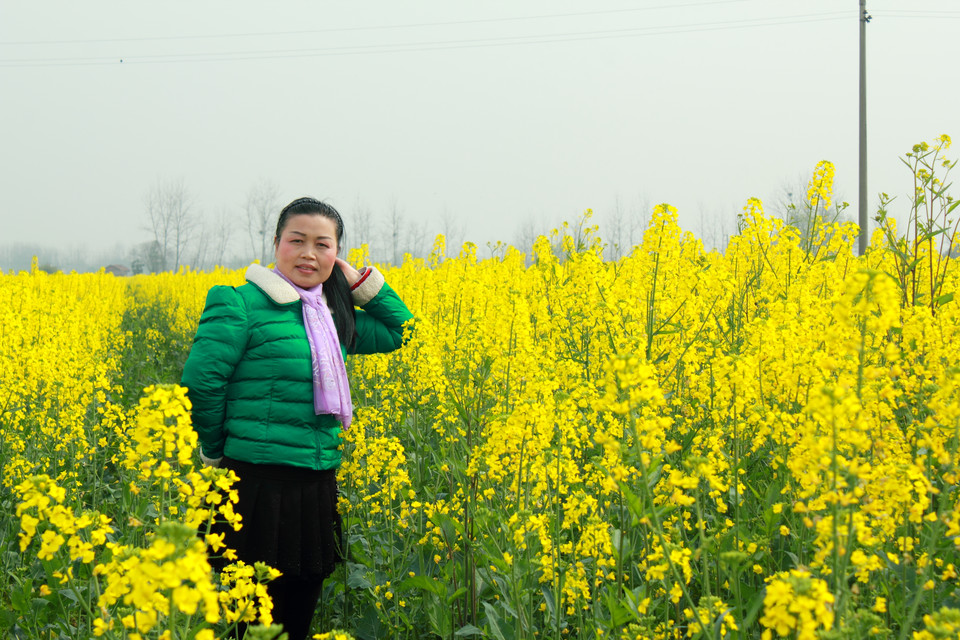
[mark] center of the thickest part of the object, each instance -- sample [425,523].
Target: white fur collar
[271,284]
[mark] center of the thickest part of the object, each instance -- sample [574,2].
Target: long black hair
[336,288]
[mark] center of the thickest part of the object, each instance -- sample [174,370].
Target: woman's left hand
[351,274]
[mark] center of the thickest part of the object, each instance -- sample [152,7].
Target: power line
[927,12]
[378,49]
[940,15]
[375,27]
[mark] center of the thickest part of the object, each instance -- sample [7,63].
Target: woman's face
[307,249]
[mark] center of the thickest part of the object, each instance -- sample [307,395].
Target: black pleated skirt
[289,517]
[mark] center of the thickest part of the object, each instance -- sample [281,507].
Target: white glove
[210,462]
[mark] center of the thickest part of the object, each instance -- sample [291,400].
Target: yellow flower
[820,188]
[795,601]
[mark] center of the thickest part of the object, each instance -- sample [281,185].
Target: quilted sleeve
[381,317]
[219,345]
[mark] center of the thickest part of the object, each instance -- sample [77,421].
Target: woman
[270,394]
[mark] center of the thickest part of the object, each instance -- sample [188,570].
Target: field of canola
[758,443]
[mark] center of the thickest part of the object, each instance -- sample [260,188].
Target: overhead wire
[401,47]
[419,25]
[906,13]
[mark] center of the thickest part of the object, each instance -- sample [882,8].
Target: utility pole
[864,223]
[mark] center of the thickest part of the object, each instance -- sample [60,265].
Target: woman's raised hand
[351,274]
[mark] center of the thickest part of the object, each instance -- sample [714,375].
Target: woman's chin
[307,280]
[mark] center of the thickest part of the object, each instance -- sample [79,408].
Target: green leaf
[510,611]
[357,577]
[426,584]
[456,594]
[448,525]
[933,234]
[69,595]
[468,630]
[754,609]
[619,615]
[359,552]
[633,599]
[944,299]
[634,503]
[499,630]
[440,616]
[550,602]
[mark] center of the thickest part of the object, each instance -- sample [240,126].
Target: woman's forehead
[313,226]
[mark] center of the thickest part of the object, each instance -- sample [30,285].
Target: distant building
[117,269]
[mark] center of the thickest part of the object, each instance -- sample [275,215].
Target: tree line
[179,233]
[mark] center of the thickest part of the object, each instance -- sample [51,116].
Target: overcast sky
[494,112]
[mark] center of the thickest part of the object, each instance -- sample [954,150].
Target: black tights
[294,602]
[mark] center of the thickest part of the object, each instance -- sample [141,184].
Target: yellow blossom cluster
[136,465]
[58,367]
[820,187]
[797,603]
[41,504]
[333,635]
[170,573]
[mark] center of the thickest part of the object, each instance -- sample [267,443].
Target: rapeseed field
[762,442]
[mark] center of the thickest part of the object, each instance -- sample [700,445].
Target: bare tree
[725,223]
[76,258]
[527,234]
[706,235]
[639,218]
[616,233]
[361,227]
[262,206]
[222,227]
[160,224]
[6,258]
[417,238]
[454,232]
[169,206]
[715,225]
[146,257]
[624,226]
[394,233]
[201,246]
[19,256]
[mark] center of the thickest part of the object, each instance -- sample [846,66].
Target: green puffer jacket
[249,372]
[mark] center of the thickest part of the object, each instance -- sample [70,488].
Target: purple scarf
[331,388]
